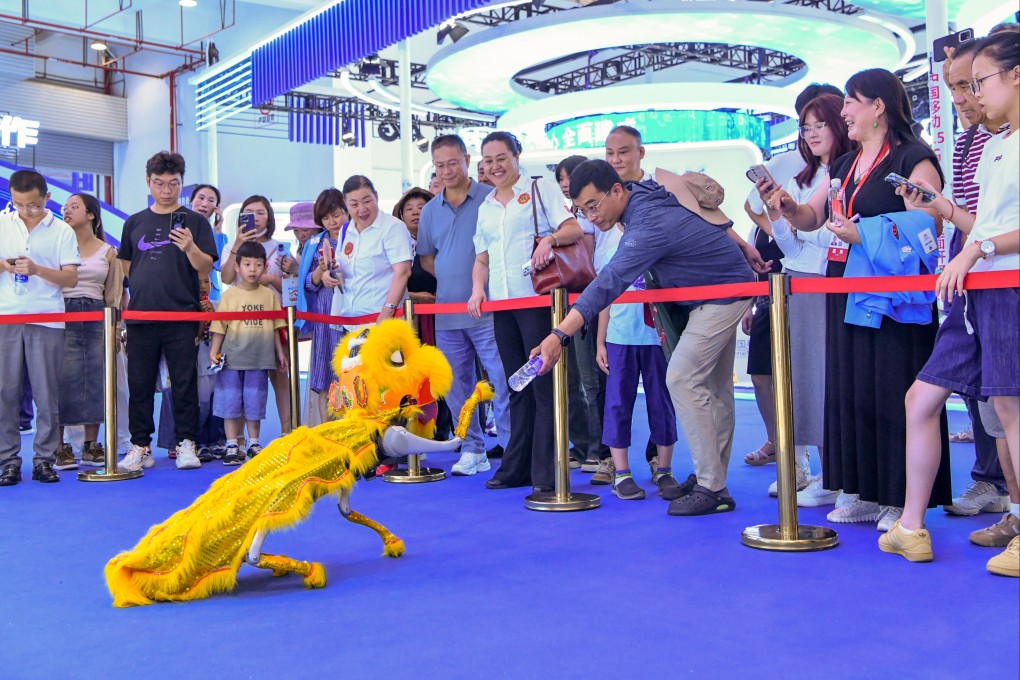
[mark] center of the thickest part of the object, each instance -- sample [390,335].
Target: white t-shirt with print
[998,198]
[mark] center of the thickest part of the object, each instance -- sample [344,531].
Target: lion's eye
[397,359]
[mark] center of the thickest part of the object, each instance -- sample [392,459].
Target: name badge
[928,242]
[838,249]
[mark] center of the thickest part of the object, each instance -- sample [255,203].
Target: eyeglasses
[160,184]
[592,212]
[805,130]
[975,85]
[29,209]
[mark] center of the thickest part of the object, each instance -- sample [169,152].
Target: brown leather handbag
[572,266]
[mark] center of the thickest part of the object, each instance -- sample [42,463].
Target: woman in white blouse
[504,240]
[373,255]
[823,138]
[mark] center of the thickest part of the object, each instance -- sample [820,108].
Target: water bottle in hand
[525,374]
[20,284]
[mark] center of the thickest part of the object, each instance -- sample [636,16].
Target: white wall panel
[68,111]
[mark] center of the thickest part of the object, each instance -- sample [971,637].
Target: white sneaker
[802,483]
[855,510]
[888,516]
[470,463]
[137,457]
[186,457]
[815,496]
[979,497]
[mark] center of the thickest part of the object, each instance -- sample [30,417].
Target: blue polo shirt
[448,233]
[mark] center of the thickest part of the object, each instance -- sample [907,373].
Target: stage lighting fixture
[419,140]
[347,137]
[212,54]
[187,3]
[388,131]
[98,45]
[454,29]
[611,70]
[371,66]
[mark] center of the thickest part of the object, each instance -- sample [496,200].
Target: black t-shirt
[878,197]
[161,277]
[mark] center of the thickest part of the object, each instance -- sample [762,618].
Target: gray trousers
[41,350]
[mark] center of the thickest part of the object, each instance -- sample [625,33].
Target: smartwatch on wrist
[563,337]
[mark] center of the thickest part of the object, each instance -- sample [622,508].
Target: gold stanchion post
[788,535]
[110,472]
[415,473]
[561,499]
[295,369]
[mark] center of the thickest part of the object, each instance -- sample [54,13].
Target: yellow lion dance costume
[386,391]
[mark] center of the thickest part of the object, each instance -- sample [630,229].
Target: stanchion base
[405,477]
[768,537]
[546,501]
[100,475]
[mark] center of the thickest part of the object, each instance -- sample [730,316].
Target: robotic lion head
[385,369]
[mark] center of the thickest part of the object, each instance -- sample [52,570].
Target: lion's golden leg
[313,572]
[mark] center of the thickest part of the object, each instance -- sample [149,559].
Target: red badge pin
[524,198]
[348,249]
[895,232]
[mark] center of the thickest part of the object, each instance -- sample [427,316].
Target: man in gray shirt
[446,233]
[681,249]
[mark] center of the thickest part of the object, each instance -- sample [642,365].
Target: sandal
[761,457]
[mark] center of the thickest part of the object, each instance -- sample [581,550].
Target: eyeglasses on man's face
[592,212]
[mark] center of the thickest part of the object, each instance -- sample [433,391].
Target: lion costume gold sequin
[385,378]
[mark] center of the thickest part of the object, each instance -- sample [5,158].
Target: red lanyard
[878,159]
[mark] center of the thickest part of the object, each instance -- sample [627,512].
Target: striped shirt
[965,190]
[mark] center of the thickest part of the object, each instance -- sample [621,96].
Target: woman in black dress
[869,370]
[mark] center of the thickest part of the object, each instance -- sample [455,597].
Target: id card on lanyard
[839,250]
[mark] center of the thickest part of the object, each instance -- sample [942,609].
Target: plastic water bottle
[525,374]
[837,201]
[20,284]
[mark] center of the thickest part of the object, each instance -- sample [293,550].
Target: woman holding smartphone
[869,370]
[257,223]
[318,266]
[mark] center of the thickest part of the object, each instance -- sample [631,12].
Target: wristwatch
[987,248]
[564,338]
[389,305]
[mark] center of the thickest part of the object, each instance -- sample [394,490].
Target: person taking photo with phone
[163,249]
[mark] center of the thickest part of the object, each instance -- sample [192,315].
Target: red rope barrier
[873,284]
[53,317]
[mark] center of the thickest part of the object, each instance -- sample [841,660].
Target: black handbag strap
[968,139]
[536,200]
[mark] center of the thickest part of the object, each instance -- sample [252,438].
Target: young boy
[626,350]
[250,348]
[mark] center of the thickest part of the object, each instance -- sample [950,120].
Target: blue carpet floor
[488,589]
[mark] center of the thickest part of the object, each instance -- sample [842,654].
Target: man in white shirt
[39,258]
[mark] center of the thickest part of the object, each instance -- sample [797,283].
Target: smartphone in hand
[178,220]
[246,222]
[900,180]
[954,40]
[759,172]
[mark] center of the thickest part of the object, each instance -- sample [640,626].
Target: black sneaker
[495,452]
[233,456]
[680,490]
[665,481]
[254,450]
[701,501]
[205,454]
[218,450]
[628,490]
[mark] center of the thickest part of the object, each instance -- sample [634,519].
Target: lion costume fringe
[385,377]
